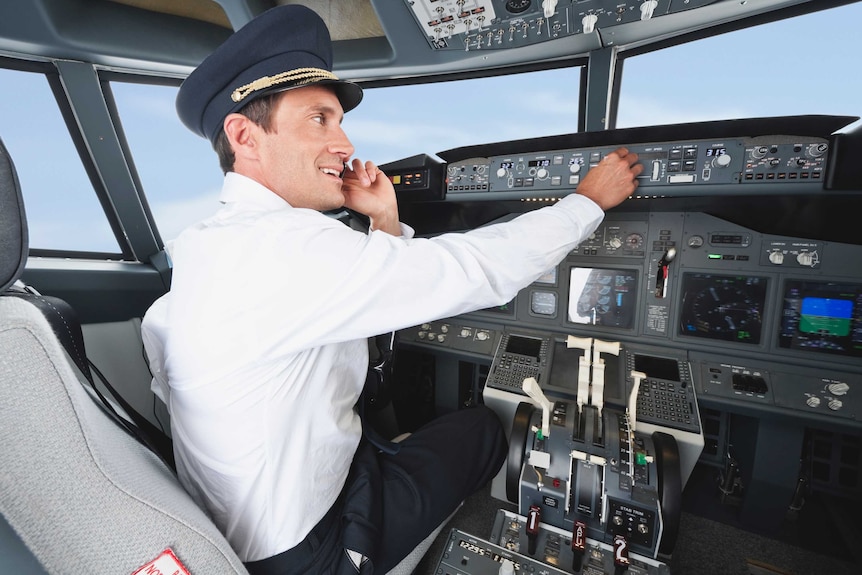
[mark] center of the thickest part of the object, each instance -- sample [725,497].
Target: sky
[800,66]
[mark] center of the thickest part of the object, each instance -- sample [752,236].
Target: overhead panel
[505,24]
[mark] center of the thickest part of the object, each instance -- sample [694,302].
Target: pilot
[260,348]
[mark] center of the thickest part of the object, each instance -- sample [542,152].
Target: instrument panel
[691,167]
[692,271]
[762,319]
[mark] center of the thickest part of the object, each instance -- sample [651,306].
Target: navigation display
[822,317]
[604,297]
[722,307]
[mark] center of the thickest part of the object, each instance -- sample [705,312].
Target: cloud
[149,102]
[640,111]
[384,140]
[68,234]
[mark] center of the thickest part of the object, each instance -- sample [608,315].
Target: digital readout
[482,552]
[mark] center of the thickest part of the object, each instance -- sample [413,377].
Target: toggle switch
[533,518]
[661,276]
[579,545]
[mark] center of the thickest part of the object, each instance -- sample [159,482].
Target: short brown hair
[258,111]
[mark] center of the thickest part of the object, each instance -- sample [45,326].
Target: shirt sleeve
[297,279]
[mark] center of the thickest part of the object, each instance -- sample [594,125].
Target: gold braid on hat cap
[300,76]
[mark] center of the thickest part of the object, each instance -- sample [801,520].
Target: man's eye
[319,119]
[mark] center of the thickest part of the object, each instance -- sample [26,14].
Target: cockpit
[683,389]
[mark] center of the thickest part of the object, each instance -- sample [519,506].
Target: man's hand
[613,179]
[368,191]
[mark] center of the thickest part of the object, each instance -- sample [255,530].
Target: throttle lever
[532,389]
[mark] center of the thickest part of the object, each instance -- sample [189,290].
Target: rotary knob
[759,152]
[835,404]
[589,23]
[812,401]
[817,150]
[806,259]
[501,172]
[615,243]
[542,174]
[574,167]
[776,258]
[722,161]
[648,8]
[840,388]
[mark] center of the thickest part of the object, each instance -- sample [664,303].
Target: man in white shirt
[260,348]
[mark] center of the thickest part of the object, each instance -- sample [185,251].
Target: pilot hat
[283,48]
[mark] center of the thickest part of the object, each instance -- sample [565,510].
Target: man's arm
[368,190]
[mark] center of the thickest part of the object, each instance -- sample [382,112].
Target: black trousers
[391,502]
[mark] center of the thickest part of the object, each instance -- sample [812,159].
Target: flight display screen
[822,316]
[657,367]
[606,297]
[529,346]
[723,307]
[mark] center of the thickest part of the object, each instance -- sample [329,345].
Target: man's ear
[241,134]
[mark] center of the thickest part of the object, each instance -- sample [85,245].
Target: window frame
[52,75]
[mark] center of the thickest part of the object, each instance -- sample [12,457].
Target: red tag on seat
[165,564]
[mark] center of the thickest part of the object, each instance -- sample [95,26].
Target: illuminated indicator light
[396,179]
[714,256]
[640,458]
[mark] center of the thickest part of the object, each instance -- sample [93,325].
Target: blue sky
[801,66]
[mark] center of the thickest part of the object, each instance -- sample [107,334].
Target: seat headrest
[14,246]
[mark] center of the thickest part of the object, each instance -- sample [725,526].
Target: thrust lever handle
[532,389]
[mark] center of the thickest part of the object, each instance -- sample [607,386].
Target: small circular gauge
[695,241]
[634,241]
[543,303]
[518,6]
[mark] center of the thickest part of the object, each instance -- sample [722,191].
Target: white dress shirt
[259,349]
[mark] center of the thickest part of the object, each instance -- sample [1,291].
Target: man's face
[304,153]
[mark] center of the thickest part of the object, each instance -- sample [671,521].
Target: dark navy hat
[283,48]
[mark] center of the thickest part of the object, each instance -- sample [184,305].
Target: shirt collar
[239,188]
